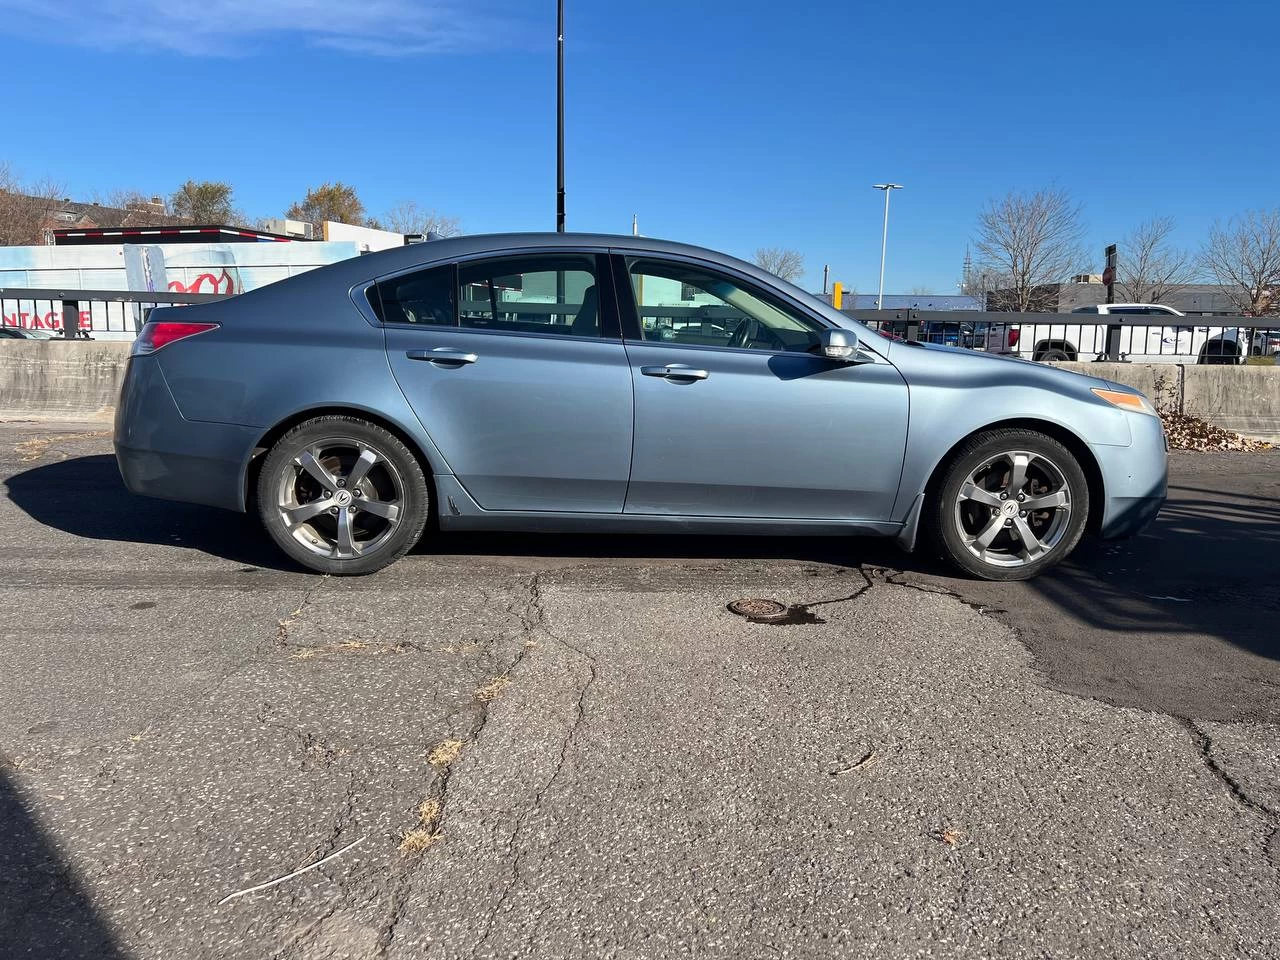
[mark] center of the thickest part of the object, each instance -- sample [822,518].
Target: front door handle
[442,355]
[675,371]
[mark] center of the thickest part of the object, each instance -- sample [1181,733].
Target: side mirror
[838,344]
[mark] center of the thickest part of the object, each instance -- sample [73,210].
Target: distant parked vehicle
[1149,333]
[24,333]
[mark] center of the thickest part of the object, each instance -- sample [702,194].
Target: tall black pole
[560,117]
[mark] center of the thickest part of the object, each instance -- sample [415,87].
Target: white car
[1159,339]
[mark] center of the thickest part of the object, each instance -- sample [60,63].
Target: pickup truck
[1149,333]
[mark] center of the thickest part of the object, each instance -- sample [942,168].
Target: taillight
[161,333]
[1013,338]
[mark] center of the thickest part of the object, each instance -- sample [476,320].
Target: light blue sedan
[562,382]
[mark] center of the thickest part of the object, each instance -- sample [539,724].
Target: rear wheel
[1011,504]
[1219,351]
[342,496]
[1053,354]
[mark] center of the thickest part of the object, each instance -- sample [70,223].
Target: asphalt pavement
[568,747]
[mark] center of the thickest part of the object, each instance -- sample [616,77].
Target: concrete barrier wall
[1245,399]
[60,379]
[78,380]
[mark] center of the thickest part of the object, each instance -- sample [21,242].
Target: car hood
[969,360]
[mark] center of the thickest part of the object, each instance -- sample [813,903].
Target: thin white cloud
[223,28]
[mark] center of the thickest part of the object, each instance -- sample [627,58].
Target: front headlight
[1126,401]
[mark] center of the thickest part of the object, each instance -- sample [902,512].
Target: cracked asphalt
[568,747]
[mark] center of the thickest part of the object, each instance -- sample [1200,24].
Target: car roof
[1104,307]
[480,243]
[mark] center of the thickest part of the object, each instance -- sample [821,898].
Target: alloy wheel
[340,498]
[1013,509]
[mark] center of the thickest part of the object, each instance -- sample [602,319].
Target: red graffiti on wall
[222,283]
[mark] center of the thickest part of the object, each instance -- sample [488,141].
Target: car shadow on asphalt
[1207,565]
[45,912]
[84,496]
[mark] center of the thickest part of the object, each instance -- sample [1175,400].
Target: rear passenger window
[554,293]
[423,297]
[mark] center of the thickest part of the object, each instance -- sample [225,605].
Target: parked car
[8,332]
[561,382]
[1149,333]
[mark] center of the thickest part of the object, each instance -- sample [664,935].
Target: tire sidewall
[969,458]
[415,496]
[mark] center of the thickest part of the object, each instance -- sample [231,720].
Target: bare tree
[408,217]
[1150,268]
[786,264]
[1244,256]
[26,209]
[139,209]
[1031,242]
[980,282]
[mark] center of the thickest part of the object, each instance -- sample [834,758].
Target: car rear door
[744,421]
[516,369]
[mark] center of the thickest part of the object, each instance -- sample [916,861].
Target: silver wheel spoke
[1056,499]
[1018,473]
[380,508]
[970,491]
[346,542]
[983,539]
[307,511]
[361,469]
[312,466]
[333,524]
[1031,545]
[1036,521]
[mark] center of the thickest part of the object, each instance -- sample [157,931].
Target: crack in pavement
[866,585]
[1203,745]
[513,846]
[1200,740]
[531,619]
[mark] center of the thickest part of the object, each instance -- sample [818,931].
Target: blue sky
[730,123]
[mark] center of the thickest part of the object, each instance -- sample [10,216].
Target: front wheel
[1011,504]
[342,496]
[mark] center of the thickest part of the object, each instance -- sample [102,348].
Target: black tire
[1054,354]
[355,538]
[1219,352]
[958,521]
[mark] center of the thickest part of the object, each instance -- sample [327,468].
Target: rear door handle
[675,371]
[442,355]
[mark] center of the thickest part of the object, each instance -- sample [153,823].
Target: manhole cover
[760,610]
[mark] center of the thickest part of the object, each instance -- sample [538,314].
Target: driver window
[686,304]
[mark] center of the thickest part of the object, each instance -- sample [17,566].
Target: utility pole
[888,188]
[559,116]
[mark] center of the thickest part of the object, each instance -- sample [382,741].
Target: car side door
[737,416]
[515,367]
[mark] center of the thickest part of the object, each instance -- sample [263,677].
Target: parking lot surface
[567,746]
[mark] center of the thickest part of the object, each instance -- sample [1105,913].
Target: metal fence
[100,314]
[117,315]
[1152,338]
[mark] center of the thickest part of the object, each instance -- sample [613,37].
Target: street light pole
[888,188]
[560,116]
